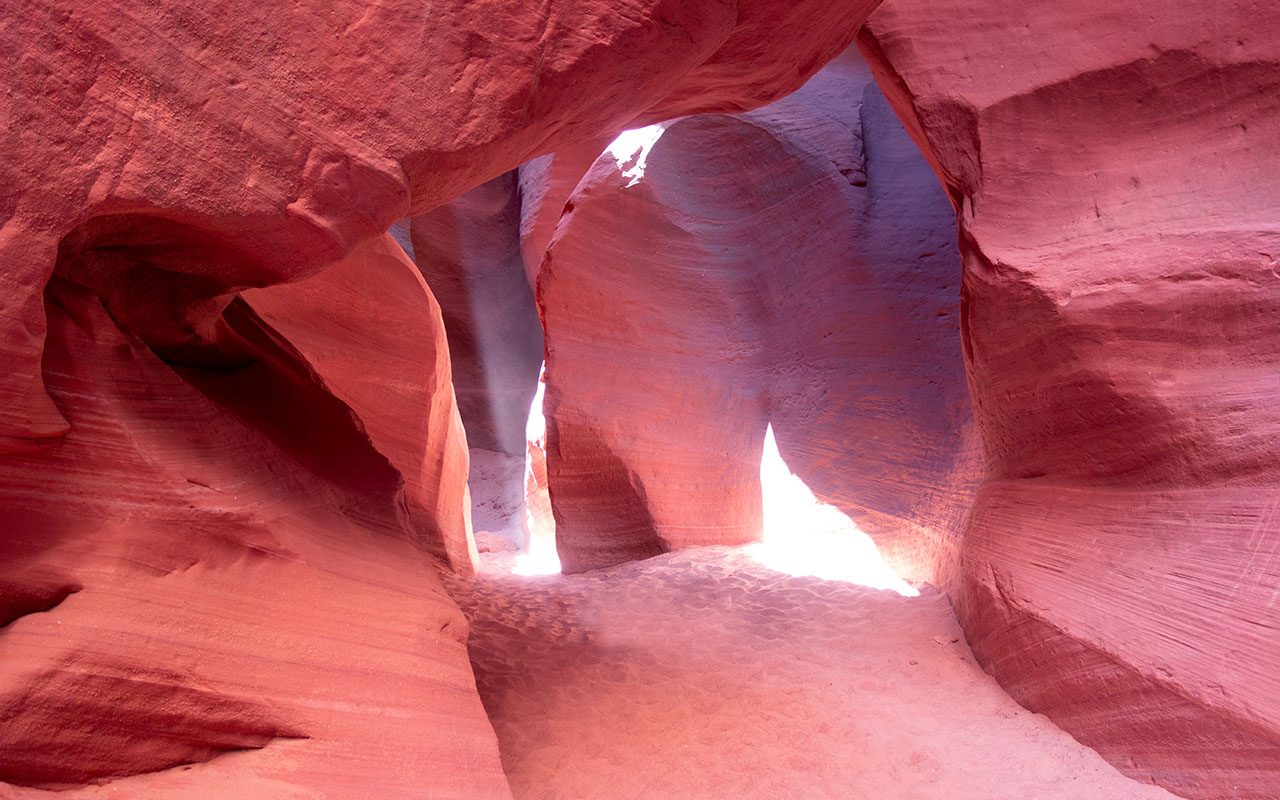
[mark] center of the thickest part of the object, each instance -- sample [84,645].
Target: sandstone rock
[805,276]
[469,253]
[216,548]
[371,330]
[186,152]
[1114,173]
[212,589]
[480,254]
[545,183]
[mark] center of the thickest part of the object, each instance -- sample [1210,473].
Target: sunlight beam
[805,536]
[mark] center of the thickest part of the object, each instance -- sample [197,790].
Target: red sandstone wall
[1115,176]
[372,331]
[283,137]
[794,265]
[215,538]
[211,586]
[469,253]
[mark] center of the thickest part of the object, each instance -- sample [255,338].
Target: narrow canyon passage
[702,674]
[754,399]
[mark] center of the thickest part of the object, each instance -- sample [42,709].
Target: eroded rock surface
[372,331]
[469,253]
[297,133]
[1115,178]
[212,586]
[217,533]
[805,276]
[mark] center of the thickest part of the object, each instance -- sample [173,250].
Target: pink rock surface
[546,182]
[198,150]
[480,255]
[1114,174]
[469,253]
[217,574]
[371,330]
[211,589]
[805,277]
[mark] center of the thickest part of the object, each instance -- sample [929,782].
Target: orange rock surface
[232,459]
[217,532]
[372,332]
[212,588]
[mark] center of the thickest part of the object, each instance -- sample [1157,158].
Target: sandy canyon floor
[703,674]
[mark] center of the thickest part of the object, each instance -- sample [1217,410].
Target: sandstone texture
[469,253]
[1114,173]
[805,277]
[219,514]
[372,332]
[196,151]
[235,410]
[546,182]
[212,588]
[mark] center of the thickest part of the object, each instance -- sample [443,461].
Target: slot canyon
[706,399]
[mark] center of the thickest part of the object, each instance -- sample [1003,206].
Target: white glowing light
[541,557]
[631,150]
[804,536]
[536,428]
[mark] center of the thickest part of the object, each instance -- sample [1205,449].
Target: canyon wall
[1114,173]
[248,146]
[222,516]
[794,266]
[469,253]
[373,333]
[213,586]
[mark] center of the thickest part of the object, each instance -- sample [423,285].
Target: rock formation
[372,332]
[1114,175]
[211,586]
[216,574]
[469,253]
[215,148]
[546,183]
[231,458]
[806,276]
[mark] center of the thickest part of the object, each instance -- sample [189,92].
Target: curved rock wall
[372,332]
[286,136]
[217,532]
[546,182]
[213,524]
[469,253]
[212,586]
[805,276]
[1114,173]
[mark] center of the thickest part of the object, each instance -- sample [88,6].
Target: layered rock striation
[805,276]
[1113,174]
[212,585]
[221,515]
